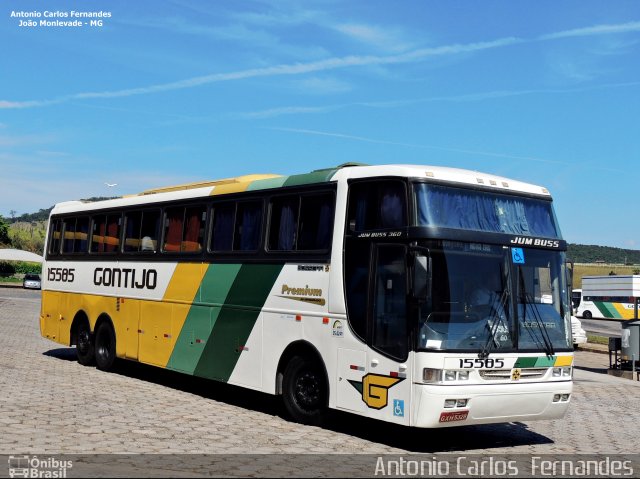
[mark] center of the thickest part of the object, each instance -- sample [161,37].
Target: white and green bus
[609,297]
[419,295]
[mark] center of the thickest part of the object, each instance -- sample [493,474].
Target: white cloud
[432,147]
[594,30]
[286,110]
[470,97]
[277,70]
[351,61]
[386,39]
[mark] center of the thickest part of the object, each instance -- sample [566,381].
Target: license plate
[453,416]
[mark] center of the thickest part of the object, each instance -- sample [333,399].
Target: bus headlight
[564,372]
[430,375]
[450,403]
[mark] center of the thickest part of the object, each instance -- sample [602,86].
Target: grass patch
[10,279]
[597,339]
[581,270]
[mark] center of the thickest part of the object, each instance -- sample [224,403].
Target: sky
[162,92]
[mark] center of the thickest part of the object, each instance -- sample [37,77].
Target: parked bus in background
[576,298]
[419,295]
[609,297]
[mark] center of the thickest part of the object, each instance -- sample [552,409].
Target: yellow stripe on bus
[241,185]
[182,288]
[624,312]
[563,361]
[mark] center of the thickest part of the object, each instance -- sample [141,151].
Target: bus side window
[222,229]
[316,222]
[149,231]
[377,205]
[81,240]
[132,222]
[56,235]
[301,223]
[194,220]
[173,222]
[69,234]
[284,224]
[356,288]
[248,226]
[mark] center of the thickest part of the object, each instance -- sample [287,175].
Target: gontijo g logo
[375,389]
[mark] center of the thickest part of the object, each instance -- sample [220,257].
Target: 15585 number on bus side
[65,275]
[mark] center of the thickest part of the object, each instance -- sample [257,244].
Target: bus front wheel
[587,315]
[304,391]
[84,344]
[105,346]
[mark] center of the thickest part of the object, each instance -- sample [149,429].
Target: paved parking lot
[49,404]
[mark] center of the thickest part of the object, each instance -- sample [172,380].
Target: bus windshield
[483,300]
[462,208]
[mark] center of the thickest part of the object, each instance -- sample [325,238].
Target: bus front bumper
[495,403]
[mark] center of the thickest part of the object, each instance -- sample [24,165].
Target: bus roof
[342,172]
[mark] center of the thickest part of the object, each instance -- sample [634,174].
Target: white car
[31,281]
[579,334]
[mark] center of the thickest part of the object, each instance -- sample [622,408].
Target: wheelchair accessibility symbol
[517,254]
[398,407]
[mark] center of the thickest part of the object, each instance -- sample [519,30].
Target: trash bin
[630,343]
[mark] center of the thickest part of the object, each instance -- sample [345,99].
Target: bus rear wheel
[105,346]
[84,345]
[304,391]
[587,315]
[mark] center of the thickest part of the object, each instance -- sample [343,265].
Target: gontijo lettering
[125,278]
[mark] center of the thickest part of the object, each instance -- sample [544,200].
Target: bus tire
[304,391]
[587,315]
[105,346]
[84,344]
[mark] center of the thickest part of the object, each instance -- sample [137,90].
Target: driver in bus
[488,308]
[485,302]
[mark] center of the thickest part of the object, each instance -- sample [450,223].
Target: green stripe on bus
[318,176]
[267,183]
[236,320]
[535,362]
[525,363]
[605,310]
[545,361]
[213,292]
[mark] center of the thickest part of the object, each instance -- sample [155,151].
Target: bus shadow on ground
[418,440]
[67,354]
[593,370]
[462,438]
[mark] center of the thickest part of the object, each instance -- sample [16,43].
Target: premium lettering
[306,291]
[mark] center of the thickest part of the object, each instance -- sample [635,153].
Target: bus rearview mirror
[421,277]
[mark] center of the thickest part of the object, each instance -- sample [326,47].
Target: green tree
[4,232]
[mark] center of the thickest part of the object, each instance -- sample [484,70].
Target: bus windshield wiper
[528,300]
[498,304]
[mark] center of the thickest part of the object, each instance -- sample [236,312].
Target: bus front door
[374,378]
[388,391]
